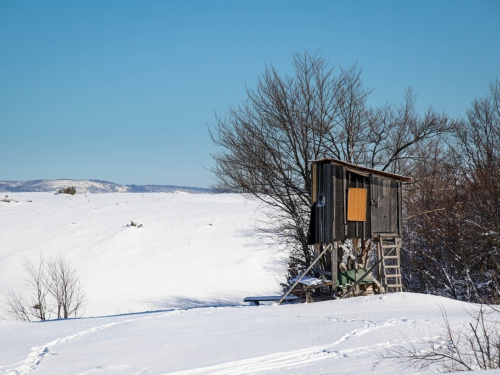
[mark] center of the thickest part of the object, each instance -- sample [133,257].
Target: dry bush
[6,199]
[452,240]
[18,307]
[37,306]
[71,190]
[65,287]
[46,279]
[473,346]
[134,224]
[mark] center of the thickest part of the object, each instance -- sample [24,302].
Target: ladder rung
[389,254]
[391,257]
[388,250]
[389,246]
[392,266]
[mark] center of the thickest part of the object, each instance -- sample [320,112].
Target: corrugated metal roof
[364,169]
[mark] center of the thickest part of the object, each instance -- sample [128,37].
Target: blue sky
[124,91]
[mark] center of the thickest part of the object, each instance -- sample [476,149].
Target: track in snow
[35,357]
[297,357]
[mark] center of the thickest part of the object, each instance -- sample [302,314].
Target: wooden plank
[365,232]
[356,204]
[334,202]
[386,207]
[314,184]
[394,206]
[400,208]
[371,183]
[270,298]
[335,254]
[330,203]
[344,203]
[359,169]
[305,273]
[339,232]
[312,287]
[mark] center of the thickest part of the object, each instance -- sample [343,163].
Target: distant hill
[93,186]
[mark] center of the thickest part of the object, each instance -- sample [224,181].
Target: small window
[356,204]
[321,200]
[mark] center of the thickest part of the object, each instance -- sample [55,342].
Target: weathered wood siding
[385,205]
[329,217]
[339,229]
[324,203]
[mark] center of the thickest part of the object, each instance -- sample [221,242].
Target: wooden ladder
[388,248]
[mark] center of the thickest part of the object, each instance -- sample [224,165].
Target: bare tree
[478,138]
[54,278]
[37,305]
[18,307]
[65,287]
[38,282]
[268,141]
[453,227]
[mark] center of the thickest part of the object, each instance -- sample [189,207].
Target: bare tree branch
[65,288]
[268,141]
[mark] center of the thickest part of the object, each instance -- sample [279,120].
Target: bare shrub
[45,279]
[71,190]
[473,346]
[452,240]
[36,307]
[65,287]
[6,199]
[134,224]
[18,307]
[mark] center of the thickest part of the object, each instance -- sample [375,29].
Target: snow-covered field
[192,249]
[166,298]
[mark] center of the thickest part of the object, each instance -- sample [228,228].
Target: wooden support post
[379,269]
[356,267]
[335,267]
[317,251]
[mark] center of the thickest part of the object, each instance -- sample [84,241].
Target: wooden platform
[256,300]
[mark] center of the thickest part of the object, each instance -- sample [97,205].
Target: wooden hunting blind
[354,210]
[349,201]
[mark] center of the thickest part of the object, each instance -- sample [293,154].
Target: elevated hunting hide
[350,201]
[354,211]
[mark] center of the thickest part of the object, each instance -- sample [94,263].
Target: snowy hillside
[193,249]
[167,297]
[92,186]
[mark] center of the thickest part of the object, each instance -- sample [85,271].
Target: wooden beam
[335,267]
[305,273]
